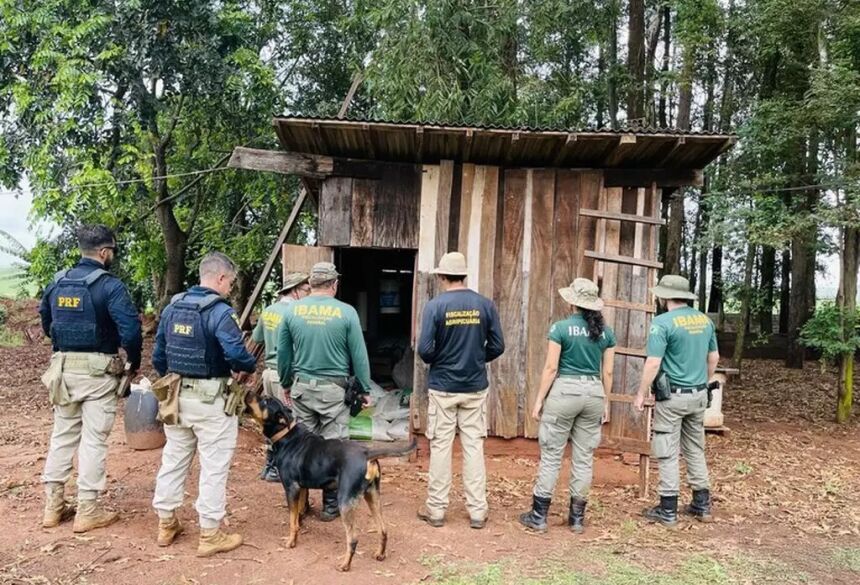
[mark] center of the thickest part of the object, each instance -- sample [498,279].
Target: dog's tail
[392,451]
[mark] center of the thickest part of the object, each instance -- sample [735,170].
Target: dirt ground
[785,486]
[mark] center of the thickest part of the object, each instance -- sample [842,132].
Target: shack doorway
[379,284]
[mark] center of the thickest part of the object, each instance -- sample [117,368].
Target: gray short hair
[215,264]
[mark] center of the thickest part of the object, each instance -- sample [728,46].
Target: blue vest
[193,351]
[74,326]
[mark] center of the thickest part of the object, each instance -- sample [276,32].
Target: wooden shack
[530,209]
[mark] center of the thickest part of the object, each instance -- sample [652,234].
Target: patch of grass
[10,338]
[847,558]
[11,286]
[742,468]
[832,486]
[614,570]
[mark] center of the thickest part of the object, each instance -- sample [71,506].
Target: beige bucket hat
[582,293]
[452,264]
[292,280]
[673,286]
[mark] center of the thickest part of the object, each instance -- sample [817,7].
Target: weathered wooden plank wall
[302,258]
[525,236]
[434,208]
[372,213]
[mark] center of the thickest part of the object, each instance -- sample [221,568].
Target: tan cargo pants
[448,412]
[679,425]
[203,428]
[272,385]
[319,406]
[573,411]
[83,425]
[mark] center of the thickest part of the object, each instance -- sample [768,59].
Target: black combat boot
[536,517]
[576,516]
[700,507]
[666,513]
[270,471]
[330,510]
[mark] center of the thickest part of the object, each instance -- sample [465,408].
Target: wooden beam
[630,306]
[626,445]
[631,351]
[622,216]
[344,107]
[645,177]
[313,166]
[674,147]
[514,147]
[467,144]
[626,144]
[565,149]
[615,258]
[368,136]
[419,139]
[245,320]
[287,163]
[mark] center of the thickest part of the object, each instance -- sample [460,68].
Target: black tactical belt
[688,389]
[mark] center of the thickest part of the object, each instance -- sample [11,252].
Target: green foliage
[831,331]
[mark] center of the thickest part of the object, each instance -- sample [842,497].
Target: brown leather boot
[168,530]
[56,508]
[91,515]
[215,541]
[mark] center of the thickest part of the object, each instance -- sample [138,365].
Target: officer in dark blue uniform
[88,314]
[199,339]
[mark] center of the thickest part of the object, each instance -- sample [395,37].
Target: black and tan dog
[307,461]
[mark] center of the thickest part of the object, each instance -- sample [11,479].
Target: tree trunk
[601,74]
[674,232]
[175,240]
[798,310]
[685,88]
[768,277]
[664,81]
[636,62]
[612,65]
[784,290]
[742,327]
[650,66]
[847,302]
[715,300]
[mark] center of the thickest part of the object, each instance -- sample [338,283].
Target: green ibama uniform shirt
[683,337]
[580,356]
[320,337]
[266,331]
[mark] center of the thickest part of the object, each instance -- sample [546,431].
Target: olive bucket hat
[292,280]
[673,286]
[323,272]
[582,293]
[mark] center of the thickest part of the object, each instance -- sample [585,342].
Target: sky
[14,219]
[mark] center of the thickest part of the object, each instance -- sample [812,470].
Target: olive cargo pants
[573,411]
[272,385]
[448,412]
[206,429]
[679,425]
[83,425]
[319,406]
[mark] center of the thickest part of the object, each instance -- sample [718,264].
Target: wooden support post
[644,474]
[245,320]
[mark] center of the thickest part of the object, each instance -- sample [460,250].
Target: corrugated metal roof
[430,142]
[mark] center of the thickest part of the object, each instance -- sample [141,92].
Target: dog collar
[282,433]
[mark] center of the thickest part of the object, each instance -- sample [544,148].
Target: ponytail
[594,320]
